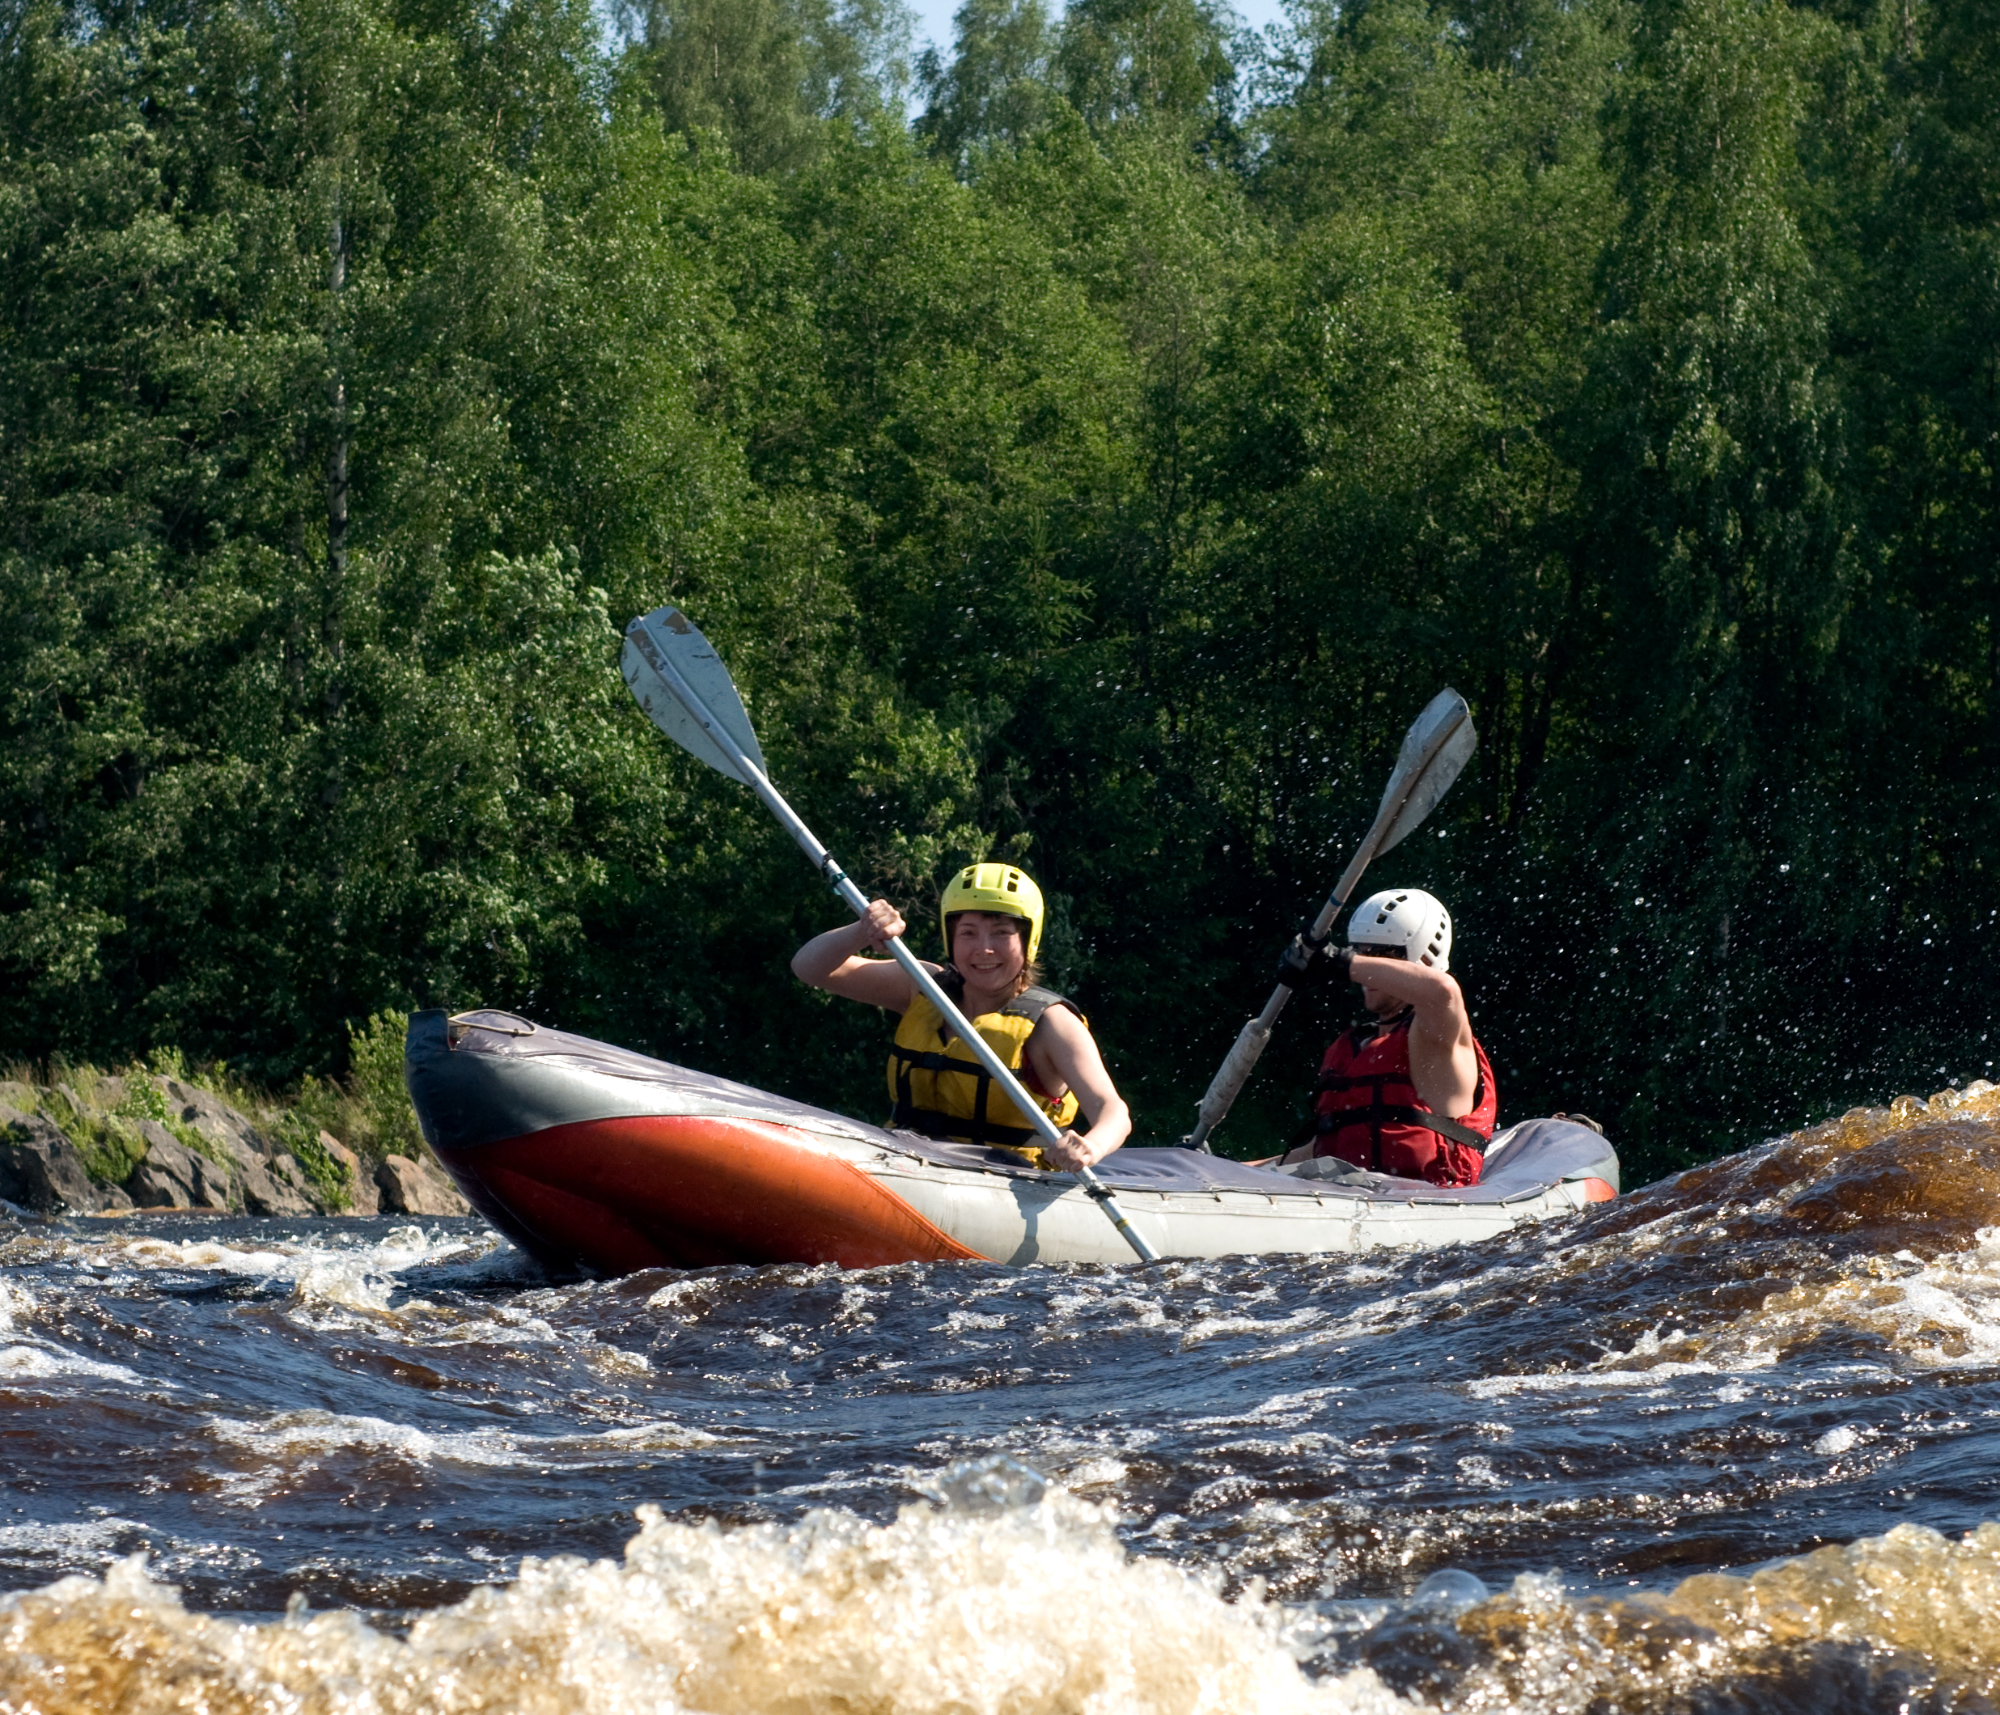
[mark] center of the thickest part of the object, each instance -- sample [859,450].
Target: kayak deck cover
[594,1157]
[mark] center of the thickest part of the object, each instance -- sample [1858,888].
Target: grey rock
[215,1120]
[113,1197]
[174,1177]
[40,1168]
[164,1178]
[269,1190]
[364,1196]
[410,1188]
[211,1186]
[152,1187]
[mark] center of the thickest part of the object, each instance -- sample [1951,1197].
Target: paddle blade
[1438,745]
[665,643]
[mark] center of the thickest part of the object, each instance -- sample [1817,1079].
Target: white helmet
[1404,917]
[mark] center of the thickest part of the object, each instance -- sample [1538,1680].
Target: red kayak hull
[687,1191]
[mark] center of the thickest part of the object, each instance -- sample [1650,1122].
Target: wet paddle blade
[1438,745]
[666,636]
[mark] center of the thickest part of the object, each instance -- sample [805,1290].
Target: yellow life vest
[941,1091]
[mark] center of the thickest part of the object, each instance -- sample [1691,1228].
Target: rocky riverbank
[89,1142]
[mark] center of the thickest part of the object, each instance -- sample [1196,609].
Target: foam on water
[984,1609]
[332,1284]
[974,1611]
[25,1357]
[392,1252]
[1907,1619]
[16,1301]
[271,1454]
[99,1535]
[46,1363]
[292,1442]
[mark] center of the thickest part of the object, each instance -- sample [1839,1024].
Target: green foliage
[996,89]
[108,1142]
[772,78]
[1144,59]
[168,1063]
[368,1109]
[141,1098]
[1100,471]
[375,1080]
[100,1112]
[298,1131]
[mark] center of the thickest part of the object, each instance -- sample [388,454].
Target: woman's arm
[1065,1056]
[833,961]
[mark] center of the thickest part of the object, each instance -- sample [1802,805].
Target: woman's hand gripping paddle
[686,691]
[1438,744]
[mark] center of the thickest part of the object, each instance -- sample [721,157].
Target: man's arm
[1442,1064]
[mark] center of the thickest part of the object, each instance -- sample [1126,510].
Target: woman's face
[988,948]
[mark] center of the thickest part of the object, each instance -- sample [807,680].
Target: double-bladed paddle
[686,691]
[1439,743]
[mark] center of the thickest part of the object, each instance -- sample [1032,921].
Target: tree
[768,75]
[998,89]
[1155,59]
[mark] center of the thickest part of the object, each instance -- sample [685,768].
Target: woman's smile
[987,948]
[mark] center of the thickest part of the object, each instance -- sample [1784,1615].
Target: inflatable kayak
[593,1157]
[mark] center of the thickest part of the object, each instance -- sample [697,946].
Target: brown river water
[1729,1443]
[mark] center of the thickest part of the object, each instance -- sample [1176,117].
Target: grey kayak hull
[593,1157]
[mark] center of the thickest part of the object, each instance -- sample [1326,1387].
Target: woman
[992,918]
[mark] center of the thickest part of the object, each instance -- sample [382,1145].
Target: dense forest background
[1100,467]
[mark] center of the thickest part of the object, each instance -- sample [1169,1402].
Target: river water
[1728,1443]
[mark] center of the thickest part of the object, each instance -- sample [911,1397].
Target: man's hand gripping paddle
[1436,747]
[686,691]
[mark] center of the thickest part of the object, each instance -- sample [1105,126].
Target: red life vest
[1369,1112]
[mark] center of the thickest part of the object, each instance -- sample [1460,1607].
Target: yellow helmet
[995,887]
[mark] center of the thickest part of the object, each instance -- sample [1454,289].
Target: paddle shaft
[857,902]
[1255,1036]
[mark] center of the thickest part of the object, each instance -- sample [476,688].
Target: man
[1411,1093]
